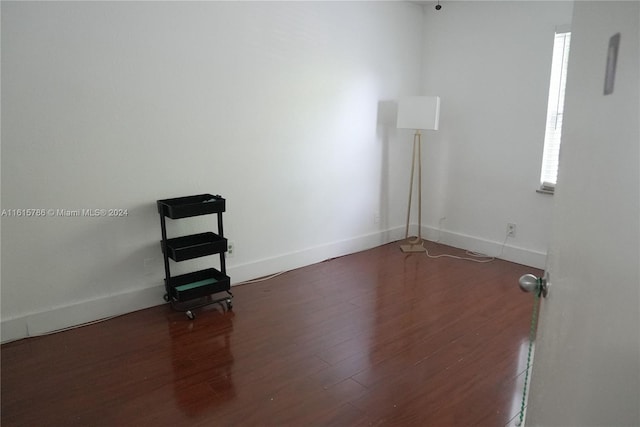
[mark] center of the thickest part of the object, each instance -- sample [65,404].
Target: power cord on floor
[261,279]
[68,328]
[478,256]
[474,254]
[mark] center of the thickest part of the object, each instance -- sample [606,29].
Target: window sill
[541,191]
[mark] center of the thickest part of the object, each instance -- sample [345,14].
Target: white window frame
[555,109]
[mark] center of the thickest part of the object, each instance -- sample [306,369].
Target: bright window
[555,107]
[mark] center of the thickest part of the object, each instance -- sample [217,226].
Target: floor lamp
[418,113]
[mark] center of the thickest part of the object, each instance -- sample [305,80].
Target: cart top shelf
[182,207]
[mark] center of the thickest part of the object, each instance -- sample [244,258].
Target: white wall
[286,109]
[283,108]
[490,62]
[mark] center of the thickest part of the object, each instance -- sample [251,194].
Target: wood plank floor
[374,338]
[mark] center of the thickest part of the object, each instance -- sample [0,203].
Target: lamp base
[414,245]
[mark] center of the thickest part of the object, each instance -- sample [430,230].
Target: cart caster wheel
[229,305]
[166,297]
[191,315]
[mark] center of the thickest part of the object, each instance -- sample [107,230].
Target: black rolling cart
[197,289]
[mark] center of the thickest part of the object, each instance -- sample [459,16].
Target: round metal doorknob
[531,283]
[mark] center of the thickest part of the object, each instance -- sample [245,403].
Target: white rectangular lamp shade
[419,112]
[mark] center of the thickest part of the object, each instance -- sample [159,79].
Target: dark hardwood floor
[374,338]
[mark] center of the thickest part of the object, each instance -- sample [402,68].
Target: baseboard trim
[77,314]
[510,252]
[80,313]
[292,260]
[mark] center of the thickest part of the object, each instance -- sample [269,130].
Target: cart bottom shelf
[197,284]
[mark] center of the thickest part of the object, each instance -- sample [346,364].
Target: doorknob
[531,283]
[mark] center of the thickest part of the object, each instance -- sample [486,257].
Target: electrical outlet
[230,248]
[511,230]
